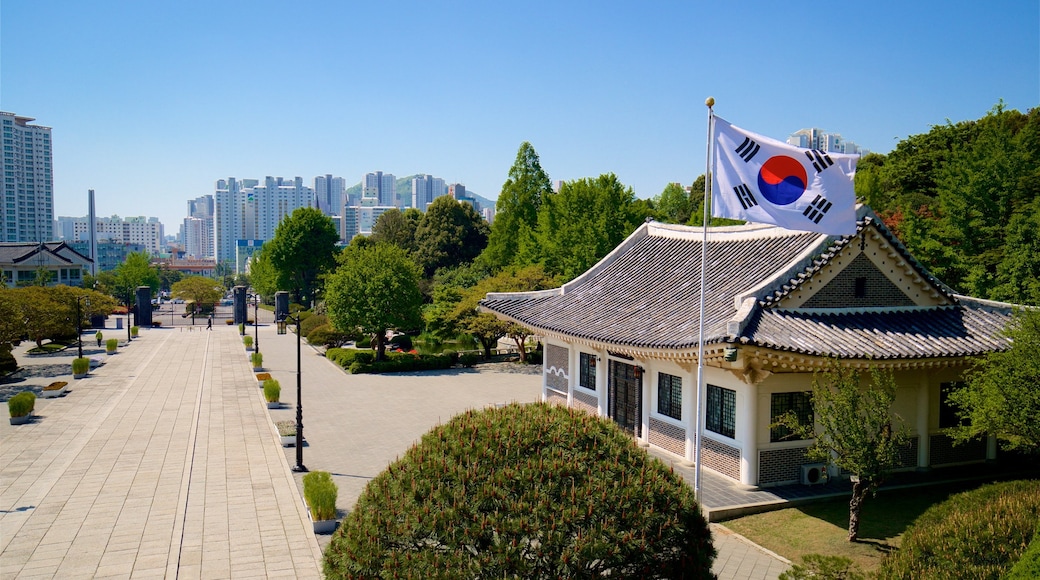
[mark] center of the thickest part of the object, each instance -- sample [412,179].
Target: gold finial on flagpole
[710,102]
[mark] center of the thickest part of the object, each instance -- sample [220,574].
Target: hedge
[976,534]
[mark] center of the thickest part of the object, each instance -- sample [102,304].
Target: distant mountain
[403,187]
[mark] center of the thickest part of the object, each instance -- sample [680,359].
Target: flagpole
[709,102]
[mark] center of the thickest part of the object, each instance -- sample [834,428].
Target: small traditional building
[621,340]
[20,263]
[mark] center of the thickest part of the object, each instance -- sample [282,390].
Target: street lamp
[79,322]
[256,320]
[129,297]
[299,392]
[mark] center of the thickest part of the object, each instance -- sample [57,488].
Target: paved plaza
[165,462]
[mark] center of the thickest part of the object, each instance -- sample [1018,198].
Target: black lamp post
[129,296]
[299,393]
[79,323]
[256,320]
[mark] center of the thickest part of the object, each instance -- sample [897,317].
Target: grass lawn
[47,348]
[822,528]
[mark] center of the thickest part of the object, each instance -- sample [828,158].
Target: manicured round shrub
[976,534]
[524,491]
[1028,567]
[21,404]
[326,336]
[8,364]
[311,322]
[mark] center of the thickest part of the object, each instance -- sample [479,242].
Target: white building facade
[248,210]
[145,231]
[426,188]
[27,205]
[824,141]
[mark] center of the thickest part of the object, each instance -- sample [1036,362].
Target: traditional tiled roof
[645,295]
[647,292]
[965,329]
[19,252]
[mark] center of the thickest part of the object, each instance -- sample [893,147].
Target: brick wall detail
[944,451]
[780,465]
[840,291]
[555,397]
[667,436]
[586,402]
[721,457]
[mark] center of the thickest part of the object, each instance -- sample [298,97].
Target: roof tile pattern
[946,331]
[649,297]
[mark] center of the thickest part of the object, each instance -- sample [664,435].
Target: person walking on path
[97,335]
[209,322]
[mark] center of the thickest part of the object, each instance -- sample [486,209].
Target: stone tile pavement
[165,463]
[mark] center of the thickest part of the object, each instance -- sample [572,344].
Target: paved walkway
[164,463]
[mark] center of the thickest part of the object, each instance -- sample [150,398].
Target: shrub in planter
[257,359]
[80,366]
[54,389]
[21,405]
[134,330]
[272,390]
[242,328]
[975,534]
[524,491]
[286,432]
[111,345]
[261,377]
[248,341]
[319,491]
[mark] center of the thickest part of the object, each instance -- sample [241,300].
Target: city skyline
[150,104]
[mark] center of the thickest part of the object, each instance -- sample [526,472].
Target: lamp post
[79,323]
[256,320]
[299,467]
[129,296]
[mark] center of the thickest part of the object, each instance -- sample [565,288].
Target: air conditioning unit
[814,474]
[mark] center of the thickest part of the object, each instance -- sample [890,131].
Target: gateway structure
[621,340]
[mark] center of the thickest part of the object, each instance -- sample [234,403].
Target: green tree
[673,205]
[263,275]
[516,211]
[1001,397]
[524,491]
[374,288]
[302,250]
[202,291]
[135,271]
[584,222]
[450,234]
[398,228]
[43,315]
[853,430]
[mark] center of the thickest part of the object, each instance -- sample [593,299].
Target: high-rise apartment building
[197,229]
[146,232]
[27,204]
[426,188]
[329,190]
[822,140]
[246,210]
[380,186]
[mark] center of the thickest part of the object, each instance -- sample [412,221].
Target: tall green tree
[673,204]
[1001,396]
[516,211]
[302,250]
[398,228]
[263,275]
[137,270]
[374,288]
[450,234]
[854,430]
[584,222]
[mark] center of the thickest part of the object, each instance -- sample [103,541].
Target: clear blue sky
[151,102]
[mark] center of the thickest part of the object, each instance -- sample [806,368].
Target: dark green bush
[21,404]
[976,534]
[8,364]
[524,491]
[821,567]
[1028,567]
[468,359]
[294,308]
[311,322]
[364,342]
[326,336]
[345,356]
[402,341]
[398,362]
